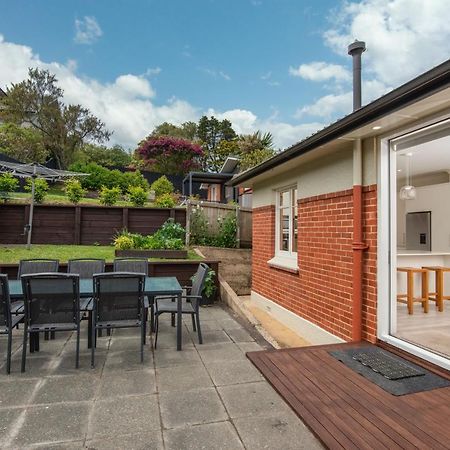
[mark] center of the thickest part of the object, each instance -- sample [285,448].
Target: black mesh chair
[132,265]
[7,320]
[40,265]
[118,303]
[27,266]
[52,303]
[86,267]
[190,302]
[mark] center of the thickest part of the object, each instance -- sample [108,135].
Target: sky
[278,66]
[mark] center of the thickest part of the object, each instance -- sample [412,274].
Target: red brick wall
[322,290]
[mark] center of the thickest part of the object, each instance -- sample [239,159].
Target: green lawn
[10,254]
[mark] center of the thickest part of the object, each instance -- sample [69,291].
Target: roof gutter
[424,85]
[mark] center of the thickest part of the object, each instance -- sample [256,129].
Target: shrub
[109,196]
[200,234]
[134,179]
[162,186]
[171,230]
[40,189]
[74,191]
[226,237]
[137,195]
[8,184]
[165,201]
[123,242]
[209,288]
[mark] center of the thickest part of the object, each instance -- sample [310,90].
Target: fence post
[238,228]
[188,222]
[125,218]
[77,233]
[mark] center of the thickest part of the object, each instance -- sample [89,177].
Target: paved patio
[208,396]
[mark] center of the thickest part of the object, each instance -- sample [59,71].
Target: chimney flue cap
[356,47]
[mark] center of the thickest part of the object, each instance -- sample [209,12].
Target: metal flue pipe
[355,50]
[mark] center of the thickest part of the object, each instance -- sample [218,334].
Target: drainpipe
[355,50]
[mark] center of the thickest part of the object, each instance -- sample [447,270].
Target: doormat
[388,371]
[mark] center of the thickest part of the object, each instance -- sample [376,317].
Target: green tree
[104,156]
[211,132]
[37,102]
[254,149]
[8,184]
[187,130]
[162,186]
[40,189]
[74,191]
[22,143]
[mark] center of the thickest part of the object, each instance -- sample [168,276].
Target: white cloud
[215,74]
[87,30]
[404,38]
[320,71]
[151,71]
[127,106]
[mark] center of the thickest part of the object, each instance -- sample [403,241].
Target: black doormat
[388,371]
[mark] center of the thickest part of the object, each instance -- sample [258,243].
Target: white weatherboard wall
[434,198]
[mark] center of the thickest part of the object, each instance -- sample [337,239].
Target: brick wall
[322,290]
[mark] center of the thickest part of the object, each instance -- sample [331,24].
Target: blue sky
[274,65]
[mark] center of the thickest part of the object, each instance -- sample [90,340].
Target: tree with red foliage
[169,155]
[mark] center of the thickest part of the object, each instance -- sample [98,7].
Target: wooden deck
[345,410]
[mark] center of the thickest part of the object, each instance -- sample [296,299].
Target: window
[286,222]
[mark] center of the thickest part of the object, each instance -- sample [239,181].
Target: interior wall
[433,198]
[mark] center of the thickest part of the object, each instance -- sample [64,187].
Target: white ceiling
[426,158]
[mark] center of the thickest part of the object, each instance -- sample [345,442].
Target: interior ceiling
[425,158]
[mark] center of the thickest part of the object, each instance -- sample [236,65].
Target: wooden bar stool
[409,297]
[438,296]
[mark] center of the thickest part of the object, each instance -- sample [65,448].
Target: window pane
[284,229]
[284,199]
[294,228]
[294,197]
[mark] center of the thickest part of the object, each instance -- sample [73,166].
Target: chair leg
[24,347]
[8,354]
[77,356]
[193,322]
[145,330]
[108,332]
[93,340]
[152,317]
[52,335]
[199,331]
[173,319]
[156,328]
[45,335]
[142,341]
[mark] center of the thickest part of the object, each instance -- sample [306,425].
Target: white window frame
[278,252]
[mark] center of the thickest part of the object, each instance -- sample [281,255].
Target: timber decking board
[345,410]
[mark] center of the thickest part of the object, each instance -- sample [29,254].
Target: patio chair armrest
[196,297]
[146,302]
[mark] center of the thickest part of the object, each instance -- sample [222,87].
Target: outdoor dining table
[154,287]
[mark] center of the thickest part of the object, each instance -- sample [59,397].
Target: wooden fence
[66,224]
[215,211]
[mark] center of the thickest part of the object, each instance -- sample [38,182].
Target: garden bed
[167,254]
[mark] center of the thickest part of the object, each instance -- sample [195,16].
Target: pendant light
[408,191]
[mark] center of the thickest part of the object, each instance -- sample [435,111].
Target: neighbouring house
[351,234]
[216,185]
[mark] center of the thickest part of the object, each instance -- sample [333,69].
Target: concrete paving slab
[137,441]
[59,422]
[252,399]
[171,358]
[212,337]
[66,364]
[220,352]
[8,417]
[211,436]
[250,346]
[240,335]
[207,325]
[124,415]
[66,389]
[14,393]
[73,445]
[283,431]
[128,343]
[190,408]
[34,368]
[182,378]
[128,360]
[225,373]
[167,339]
[229,324]
[122,383]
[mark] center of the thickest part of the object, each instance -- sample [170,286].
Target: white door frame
[387,251]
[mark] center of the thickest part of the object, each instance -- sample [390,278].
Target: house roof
[424,85]
[2,93]
[208,177]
